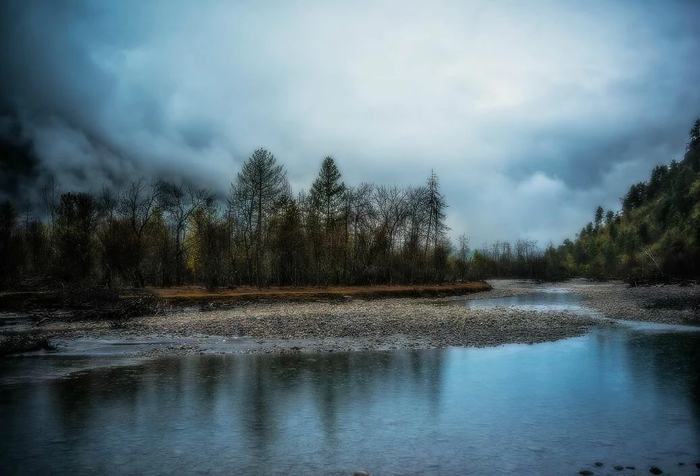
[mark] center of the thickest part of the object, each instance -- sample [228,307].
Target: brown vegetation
[199,294]
[94,303]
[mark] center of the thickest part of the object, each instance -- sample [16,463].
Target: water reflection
[253,403]
[619,395]
[671,363]
[545,299]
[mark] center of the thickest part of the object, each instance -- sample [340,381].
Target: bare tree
[392,206]
[435,203]
[180,202]
[137,206]
[260,186]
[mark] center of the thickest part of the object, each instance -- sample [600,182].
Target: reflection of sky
[538,300]
[616,395]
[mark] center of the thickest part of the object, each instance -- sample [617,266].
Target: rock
[655,470]
[599,463]
[360,473]
[630,467]
[585,472]
[617,467]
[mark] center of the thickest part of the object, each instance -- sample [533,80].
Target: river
[624,395]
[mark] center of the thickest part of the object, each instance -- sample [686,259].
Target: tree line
[165,233]
[654,236]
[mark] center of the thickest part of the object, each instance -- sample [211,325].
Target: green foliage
[657,233]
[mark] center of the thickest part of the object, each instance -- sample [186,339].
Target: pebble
[395,323]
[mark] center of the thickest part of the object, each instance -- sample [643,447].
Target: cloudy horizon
[531,115]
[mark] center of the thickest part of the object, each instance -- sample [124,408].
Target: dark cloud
[531,114]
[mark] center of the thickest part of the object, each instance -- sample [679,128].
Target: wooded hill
[656,234]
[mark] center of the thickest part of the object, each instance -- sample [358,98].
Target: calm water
[628,396]
[539,300]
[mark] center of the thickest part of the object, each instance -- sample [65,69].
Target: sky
[531,113]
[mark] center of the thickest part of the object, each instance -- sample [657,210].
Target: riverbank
[662,304]
[353,324]
[334,325]
[197,295]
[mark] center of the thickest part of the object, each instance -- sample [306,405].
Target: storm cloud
[531,113]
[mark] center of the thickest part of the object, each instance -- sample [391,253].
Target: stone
[360,473]
[617,467]
[585,472]
[599,463]
[655,470]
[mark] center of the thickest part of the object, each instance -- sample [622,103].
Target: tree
[362,223]
[76,219]
[327,197]
[210,240]
[180,202]
[599,212]
[435,203]
[694,136]
[392,206]
[9,249]
[137,206]
[50,195]
[327,192]
[463,256]
[417,221]
[260,186]
[634,197]
[609,217]
[692,154]
[289,244]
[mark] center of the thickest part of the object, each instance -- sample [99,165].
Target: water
[625,395]
[541,299]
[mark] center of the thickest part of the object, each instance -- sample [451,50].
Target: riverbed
[623,394]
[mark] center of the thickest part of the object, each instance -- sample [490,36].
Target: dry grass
[241,294]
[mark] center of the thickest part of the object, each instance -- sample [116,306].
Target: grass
[197,294]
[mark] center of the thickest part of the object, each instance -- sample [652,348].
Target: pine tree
[327,192]
[327,195]
[260,186]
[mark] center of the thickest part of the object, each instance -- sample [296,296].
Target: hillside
[655,235]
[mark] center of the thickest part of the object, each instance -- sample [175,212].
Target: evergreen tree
[599,217]
[260,187]
[327,192]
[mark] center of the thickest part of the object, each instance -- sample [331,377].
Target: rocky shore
[663,304]
[378,324]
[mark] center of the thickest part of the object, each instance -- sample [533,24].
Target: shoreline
[362,325]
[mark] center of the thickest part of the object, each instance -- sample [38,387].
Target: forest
[168,234]
[654,236]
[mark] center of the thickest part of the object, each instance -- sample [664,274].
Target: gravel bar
[663,304]
[378,324]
